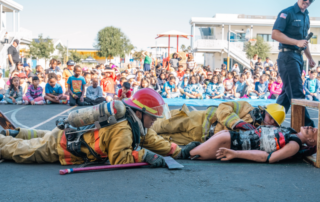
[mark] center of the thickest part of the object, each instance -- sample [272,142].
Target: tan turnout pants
[31,146]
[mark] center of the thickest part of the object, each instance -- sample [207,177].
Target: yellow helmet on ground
[277,112]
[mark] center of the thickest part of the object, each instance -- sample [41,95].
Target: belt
[291,50]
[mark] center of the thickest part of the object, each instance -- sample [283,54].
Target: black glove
[154,159]
[244,126]
[185,152]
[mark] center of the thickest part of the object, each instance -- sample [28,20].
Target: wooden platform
[298,108]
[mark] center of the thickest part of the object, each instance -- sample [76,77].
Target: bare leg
[190,95]
[209,149]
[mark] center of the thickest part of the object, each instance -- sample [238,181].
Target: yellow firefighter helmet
[276,111]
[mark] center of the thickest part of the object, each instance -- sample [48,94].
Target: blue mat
[209,102]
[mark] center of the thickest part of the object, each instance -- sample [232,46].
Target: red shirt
[180,74]
[108,85]
[128,94]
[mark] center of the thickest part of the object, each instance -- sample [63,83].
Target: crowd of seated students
[78,85]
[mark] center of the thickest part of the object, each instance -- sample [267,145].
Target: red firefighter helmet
[147,101]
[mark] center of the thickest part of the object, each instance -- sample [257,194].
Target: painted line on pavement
[12,110]
[36,126]
[13,118]
[193,108]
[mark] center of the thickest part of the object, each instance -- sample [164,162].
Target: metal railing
[236,48]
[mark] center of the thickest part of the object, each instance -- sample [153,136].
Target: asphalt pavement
[198,181]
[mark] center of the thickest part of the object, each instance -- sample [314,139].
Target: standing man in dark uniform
[290,30]
[13,56]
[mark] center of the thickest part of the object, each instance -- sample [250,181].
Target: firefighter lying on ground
[125,126]
[184,126]
[265,144]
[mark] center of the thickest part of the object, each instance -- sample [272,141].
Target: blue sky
[79,21]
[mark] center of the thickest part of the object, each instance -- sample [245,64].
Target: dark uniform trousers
[290,68]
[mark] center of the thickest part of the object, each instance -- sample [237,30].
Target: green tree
[62,53]
[42,48]
[75,56]
[112,42]
[260,47]
[185,49]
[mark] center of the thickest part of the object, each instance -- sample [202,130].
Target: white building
[14,32]
[210,36]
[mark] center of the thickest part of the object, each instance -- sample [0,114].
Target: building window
[266,37]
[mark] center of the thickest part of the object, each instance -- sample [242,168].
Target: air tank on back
[89,115]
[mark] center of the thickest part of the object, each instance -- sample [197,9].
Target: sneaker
[26,102]
[63,101]
[19,102]
[187,97]
[48,102]
[39,103]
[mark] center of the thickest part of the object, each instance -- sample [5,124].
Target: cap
[22,75]
[70,63]
[126,85]
[31,75]
[25,65]
[217,70]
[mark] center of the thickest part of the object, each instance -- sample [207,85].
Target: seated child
[271,80]
[76,84]
[87,78]
[228,86]
[125,91]
[54,91]
[61,82]
[39,69]
[170,89]
[194,89]
[215,89]
[14,92]
[94,93]
[43,83]
[144,83]
[23,83]
[183,85]
[240,87]
[119,86]
[162,80]
[34,93]
[261,89]
[276,88]
[2,83]
[154,84]
[109,84]
[311,86]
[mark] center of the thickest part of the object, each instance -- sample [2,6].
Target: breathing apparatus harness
[75,139]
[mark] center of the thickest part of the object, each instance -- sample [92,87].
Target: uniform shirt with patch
[293,23]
